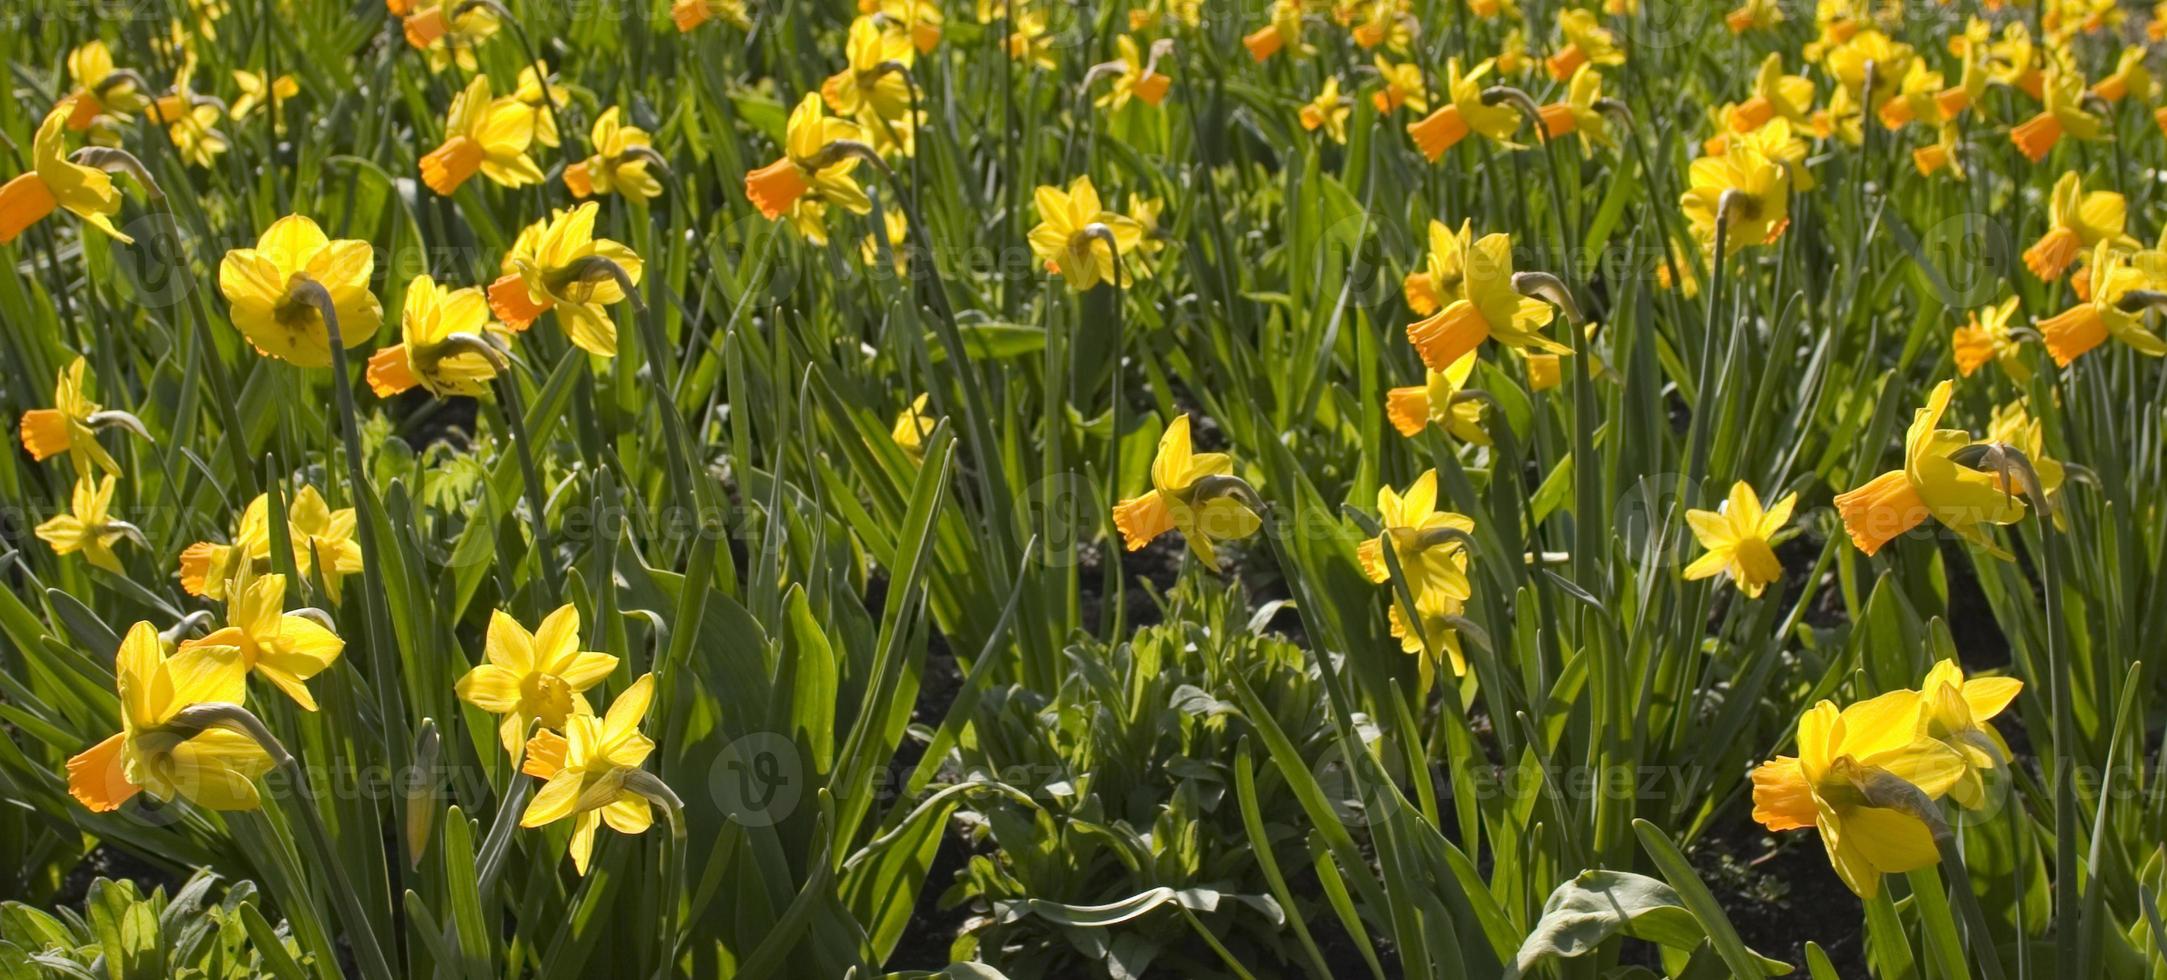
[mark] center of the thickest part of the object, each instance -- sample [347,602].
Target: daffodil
[1512,55]
[1403,86]
[1753,15]
[1285,29]
[2113,275]
[1931,484]
[1776,95]
[1384,23]
[88,527]
[1205,515]
[1577,112]
[1857,776]
[1463,113]
[70,426]
[1486,307]
[1328,111]
[1955,711]
[921,19]
[1428,543]
[558,264]
[870,79]
[1434,402]
[1986,336]
[542,95]
[1586,42]
[214,767]
[897,227]
[2063,115]
[446,35]
[1443,271]
[2076,222]
[688,15]
[809,166]
[1915,99]
[323,540]
[255,92]
[265,286]
[484,135]
[285,649]
[912,426]
[1890,61]
[529,678]
[442,336]
[585,770]
[1759,211]
[1940,155]
[191,123]
[1740,538]
[208,569]
[101,87]
[320,536]
[1066,240]
[1136,76]
[54,181]
[619,163]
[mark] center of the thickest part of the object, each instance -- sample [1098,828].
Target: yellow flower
[1931,484]
[483,135]
[208,569]
[256,92]
[54,181]
[808,167]
[100,87]
[1852,779]
[447,40]
[283,648]
[541,94]
[1891,61]
[1760,212]
[1487,307]
[323,540]
[88,527]
[1139,77]
[2013,425]
[1753,15]
[1512,56]
[214,768]
[1987,337]
[190,123]
[534,677]
[1329,111]
[557,264]
[1941,153]
[1586,42]
[442,333]
[1403,86]
[2063,114]
[315,530]
[868,81]
[585,769]
[1443,272]
[1740,539]
[2076,222]
[1063,238]
[898,229]
[921,19]
[1174,502]
[1285,29]
[1577,112]
[1417,407]
[690,14]
[1955,712]
[1431,559]
[2074,332]
[67,427]
[2129,78]
[1465,112]
[912,426]
[619,163]
[268,308]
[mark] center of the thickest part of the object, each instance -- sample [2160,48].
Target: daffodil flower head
[2076,221]
[1436,402]
[534,678]
[214,767]
[558,264]
[1442,277]
[2063,115]
[1403,86]
[688,15]
[1741,539]
[540,92]
[324,542]
[445,344]
[257,92]
[1859,774]
[1136,76]
[1429,544]
[1175,501]
[208,569]
[1986,336]
[484,135]
[912,426]
[1931,484]
[1284,29]
[2129,79]
[285,649]
[88,527]
[807,167]
[1956,711]
[2113,275]
[1067,238]
[1489,307]
[264,285]
[619,164]
[1891,61]
[869,80]
[585,770]
[101,87]
[68,426]
[55,182]
[1760,209]
[1753,15]
[1577,113]
[1464,113]
[921,19]
[449,38]
[1585,42]
[1328,111]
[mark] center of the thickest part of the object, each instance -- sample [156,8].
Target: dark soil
[1780,893]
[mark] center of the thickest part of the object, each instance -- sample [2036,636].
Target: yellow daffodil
[1776,95]
[1853,780]
[1403,86]
[1577,112]
[1423,539]
[482,135]
[1175,502]
[529,678]
[89,527]
[70,426]
[1138,77]
[1032,41]
[1753,15]
[1487,307]
[1064,238]
[269,308]
[1417,407]
[446,35]
[1986,336]
[320,536]
[1512,56]
[1891,61]
[869,80]
[809,166]
[898,228]
[1915,99]
[1464,112]
[688,15]
[214,767]
[283,648]
[101,88]
[541,94]
[2130,79]
[558,264]
[256,92]
[1285,29]
[1740,538]
[1931,484]
[54,181]
[2076,222]
[912,426]
[1586,42]
[619,163]
[1760,211]
[585,769]
[2063,115]
[1443,272]
[1384,23]
[1940,155]
[1328,111]
[921,19]
[2113,275]
[191,123]
[208,569]
[1955,712]
[442,336]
